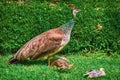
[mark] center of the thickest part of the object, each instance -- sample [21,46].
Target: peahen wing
[42,45]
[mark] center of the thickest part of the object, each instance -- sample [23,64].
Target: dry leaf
[8,2]
[56,0]
[99,26]
[52,5]
[71,5]
[0,2]
[30,6]
[20,2]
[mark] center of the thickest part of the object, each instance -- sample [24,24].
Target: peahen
[46,44]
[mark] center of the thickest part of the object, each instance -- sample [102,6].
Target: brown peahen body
[46,44]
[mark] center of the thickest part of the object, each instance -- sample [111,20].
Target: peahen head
[69,25]
[75,11]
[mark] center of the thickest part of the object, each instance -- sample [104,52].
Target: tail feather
[13,60]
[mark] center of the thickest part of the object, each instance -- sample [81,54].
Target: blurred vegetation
[97,25]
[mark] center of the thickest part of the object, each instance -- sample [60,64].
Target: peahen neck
[67,28]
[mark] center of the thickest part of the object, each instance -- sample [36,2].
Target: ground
[38,70]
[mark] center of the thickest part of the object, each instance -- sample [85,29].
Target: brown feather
[42,45]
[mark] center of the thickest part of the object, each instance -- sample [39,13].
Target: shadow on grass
[33,62]
[63,71]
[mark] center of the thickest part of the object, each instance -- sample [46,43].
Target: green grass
[38,70]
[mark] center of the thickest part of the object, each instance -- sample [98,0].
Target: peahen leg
[49,57]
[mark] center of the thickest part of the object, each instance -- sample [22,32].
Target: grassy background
[19,22]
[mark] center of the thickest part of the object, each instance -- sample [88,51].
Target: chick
[95,73]
[61,63]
